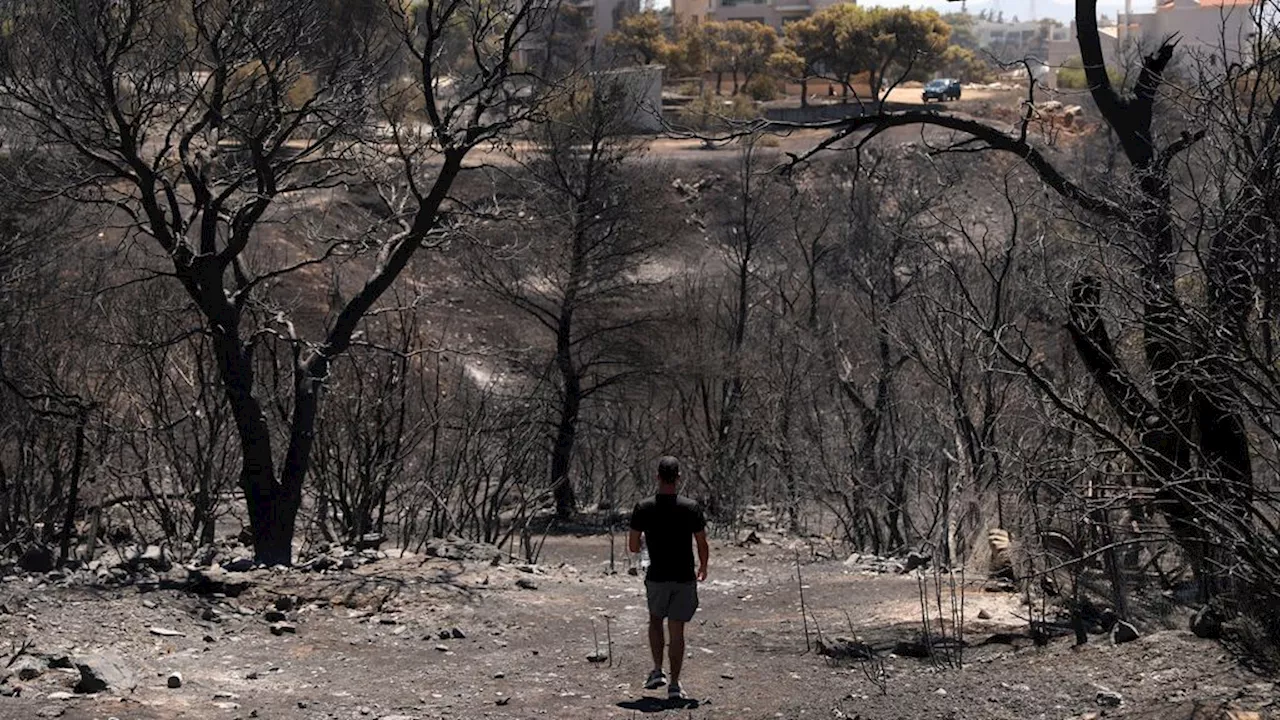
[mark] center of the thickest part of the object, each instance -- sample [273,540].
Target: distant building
[776,13]
[603,16]
[1218,29]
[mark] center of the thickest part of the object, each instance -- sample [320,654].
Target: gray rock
[174,680]
[102,671]
[239,564]
[215,581]
[916,559]
[459,549]
[285,603]
[282,628]
[1108,698]
[984,615]
[1123,632]
[166,632]
[526,584]
[273,616]
[152,556]
[457,634]
[27,668]
[1207,623]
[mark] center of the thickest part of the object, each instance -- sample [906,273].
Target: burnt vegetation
[262,279]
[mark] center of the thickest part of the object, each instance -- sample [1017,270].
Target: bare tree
[199,124]
[579,257]
[1181,408]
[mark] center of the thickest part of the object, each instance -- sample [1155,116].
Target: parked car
[941,89]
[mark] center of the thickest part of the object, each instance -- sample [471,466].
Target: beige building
[770,12]
[1208,30]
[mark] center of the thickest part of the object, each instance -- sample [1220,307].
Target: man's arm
[633,541]
[704,552]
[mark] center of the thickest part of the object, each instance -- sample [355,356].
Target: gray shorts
[675,600]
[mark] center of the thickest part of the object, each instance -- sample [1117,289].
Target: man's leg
[677,648]
[655,640]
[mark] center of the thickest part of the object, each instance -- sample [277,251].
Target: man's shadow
[648,704]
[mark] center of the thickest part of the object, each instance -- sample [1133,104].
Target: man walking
[670,525]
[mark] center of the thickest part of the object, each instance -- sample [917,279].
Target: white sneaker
[656,679]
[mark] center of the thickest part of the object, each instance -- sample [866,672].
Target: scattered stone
[843,648]
[940,692]
[7,690]
[751,539]
[61,695]
[240,564]
[209,638]
[150,604]
[398,717]
[727,676]
[370,541]
[214,581]
[984,615]
[280,628]
[503,701]
[285,603]
[274,616]
[453,548]
[61,662]
[50,711]
[27,668]
[388,620]
[499,675]
[597,657]
[457,634]
[174,680]
[445,635]
[151,556]
[1108,698]
[37,559]
[442,648]
[166,632]
[101,671]
[210,615]
[916,559]
[1207,623]
[526,584]
[1123,632]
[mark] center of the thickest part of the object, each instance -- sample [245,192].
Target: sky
[1056,9]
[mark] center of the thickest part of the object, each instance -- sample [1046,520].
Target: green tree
[903,41]
[965,64]
[641,37]
[802,55]
[739,48]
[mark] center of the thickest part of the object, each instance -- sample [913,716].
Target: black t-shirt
[669,523]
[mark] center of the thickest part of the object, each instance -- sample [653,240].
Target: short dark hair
[668,469]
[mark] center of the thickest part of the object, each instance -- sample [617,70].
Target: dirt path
[368,645]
